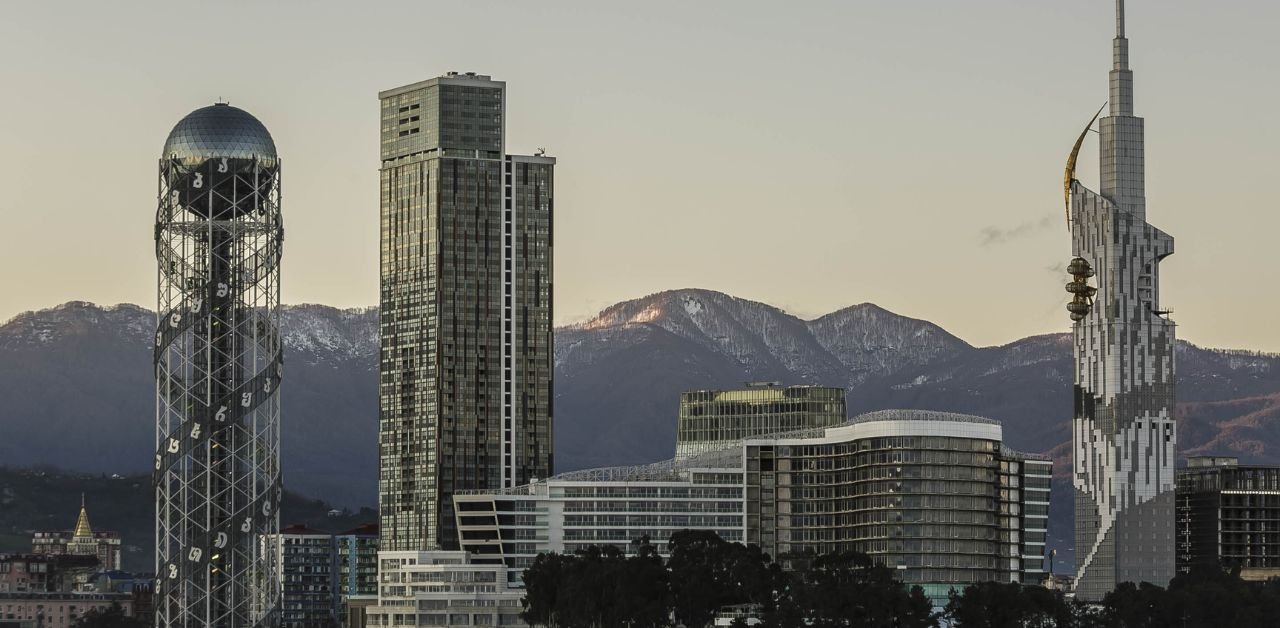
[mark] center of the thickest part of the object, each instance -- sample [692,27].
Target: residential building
[1228,515]
[443,589]
[466,291]
[309,575]
[1124,436]
[356,610]
[937,496]
[715,419]
[357,549]
[357,573]
[82,541]
[321,572]
[44,573]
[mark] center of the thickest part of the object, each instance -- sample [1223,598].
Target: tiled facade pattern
[714,419]
[1123,435]
[465,364]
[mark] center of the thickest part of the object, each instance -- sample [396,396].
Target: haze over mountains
[77,385]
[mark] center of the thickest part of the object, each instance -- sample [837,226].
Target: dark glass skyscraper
[466,361]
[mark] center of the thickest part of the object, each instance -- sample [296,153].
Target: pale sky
[809,155]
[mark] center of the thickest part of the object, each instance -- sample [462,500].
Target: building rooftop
[368,529]
[730,457]
[1203,462]
[299,529]
[448,78]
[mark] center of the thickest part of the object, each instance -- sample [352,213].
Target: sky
[810,155]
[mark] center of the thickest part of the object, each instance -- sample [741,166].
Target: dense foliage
[1206,598]
[605,588]
[109,617]
[602,588]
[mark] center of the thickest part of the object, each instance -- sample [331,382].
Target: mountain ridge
[78,385]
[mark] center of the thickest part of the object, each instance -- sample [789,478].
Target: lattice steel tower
[217,366]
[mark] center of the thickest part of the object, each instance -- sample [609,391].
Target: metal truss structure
[218,368]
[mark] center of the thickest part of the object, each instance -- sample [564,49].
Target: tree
[847,589]
[597,588]
[1010,605]
[643,588]
[709,573]
[109,617]
[542,584]
[699,576]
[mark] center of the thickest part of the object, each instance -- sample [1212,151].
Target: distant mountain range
[76,384]
[78,393]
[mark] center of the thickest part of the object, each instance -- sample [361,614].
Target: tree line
[1205,597]
[605,587]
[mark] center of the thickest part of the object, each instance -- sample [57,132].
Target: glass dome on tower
[219,130]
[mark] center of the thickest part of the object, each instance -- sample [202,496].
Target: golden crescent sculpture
[1070,174]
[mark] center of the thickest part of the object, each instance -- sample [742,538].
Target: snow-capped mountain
[842,348]
[77,388]
[76,384]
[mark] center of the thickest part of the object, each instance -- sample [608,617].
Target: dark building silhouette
[1228,515]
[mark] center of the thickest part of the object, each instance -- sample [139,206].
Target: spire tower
[1123,433]
[83,530]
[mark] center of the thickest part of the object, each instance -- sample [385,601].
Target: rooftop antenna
[1119,19]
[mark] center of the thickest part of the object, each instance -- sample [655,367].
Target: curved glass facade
[934,496]
[716,419]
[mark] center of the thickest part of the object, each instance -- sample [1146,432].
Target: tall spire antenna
[1121,78]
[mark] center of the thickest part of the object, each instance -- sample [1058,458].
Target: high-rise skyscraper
[217,367]
[1123,434]
[466,362]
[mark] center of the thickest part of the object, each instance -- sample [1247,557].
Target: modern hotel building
[935,495]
